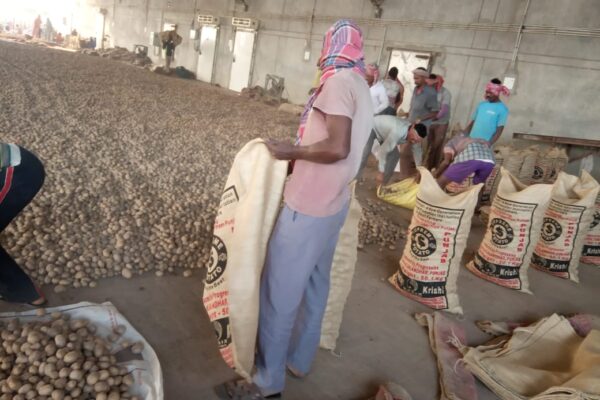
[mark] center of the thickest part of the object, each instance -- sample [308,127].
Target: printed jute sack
[513,161]
[342,271]
[543,166]
[402,194]
[530,156]
[591,245]
[559,159]
[454,187]
[566,223]
[247,212]
[501,153]
[512,231]
[437,238]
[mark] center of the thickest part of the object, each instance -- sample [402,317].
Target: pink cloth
[342,49]
[497,89]
[321,190]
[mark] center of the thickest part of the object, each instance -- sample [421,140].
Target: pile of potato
[375,228]
[135,166]
[60,359]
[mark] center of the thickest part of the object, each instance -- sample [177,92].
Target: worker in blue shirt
[490,116]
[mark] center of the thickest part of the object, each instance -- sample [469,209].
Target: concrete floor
[379,341]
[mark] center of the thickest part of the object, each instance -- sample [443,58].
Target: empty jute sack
[342,271]
[566,223]
[247,212]
[438,235]
[512,231]
[591,245]
[546,360]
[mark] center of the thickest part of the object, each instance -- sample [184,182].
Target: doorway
[406,61]
[241,66]
[206,58]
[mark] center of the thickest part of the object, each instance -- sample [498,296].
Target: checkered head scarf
[342,49]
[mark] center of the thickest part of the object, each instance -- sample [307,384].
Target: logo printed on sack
[422,242]
[596,220]
[218,260]
[221,327]
[502,233]
[551,230]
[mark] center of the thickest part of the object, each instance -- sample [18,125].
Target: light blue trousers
[293,294]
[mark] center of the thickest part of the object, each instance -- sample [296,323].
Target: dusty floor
[380,341]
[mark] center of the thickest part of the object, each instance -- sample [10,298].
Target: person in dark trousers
[21,177]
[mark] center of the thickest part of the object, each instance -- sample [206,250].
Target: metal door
[406,62]
[243,50]
[206,58]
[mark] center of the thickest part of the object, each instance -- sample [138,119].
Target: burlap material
[249,207]
[342,271]
[565,226]
[546,360]
[591,245]
[438,235]
[456,382]
[513,230]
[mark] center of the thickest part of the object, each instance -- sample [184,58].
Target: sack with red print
[566,223]
[512,231]
[436,242]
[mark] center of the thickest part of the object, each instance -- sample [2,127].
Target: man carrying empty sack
[295,283]
[465,156]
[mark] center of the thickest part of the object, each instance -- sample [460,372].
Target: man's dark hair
[496,81]
[393,72]
[421,130]
[432,76]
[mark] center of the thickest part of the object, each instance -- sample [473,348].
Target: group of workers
[468,154]
[348,109]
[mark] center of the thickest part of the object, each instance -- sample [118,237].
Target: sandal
[240,389]
[294,372]
[40,301]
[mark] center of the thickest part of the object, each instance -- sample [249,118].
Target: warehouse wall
[557,80]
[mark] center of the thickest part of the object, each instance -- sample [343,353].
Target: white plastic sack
[342,271]
[248,210]
[147,374]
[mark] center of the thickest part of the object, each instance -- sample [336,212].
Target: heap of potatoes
[376,229]
[135,165]
[60,359]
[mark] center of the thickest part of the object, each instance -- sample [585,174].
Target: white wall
[558,76]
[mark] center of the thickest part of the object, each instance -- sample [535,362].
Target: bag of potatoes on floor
[591,245]
[401,194]
[342,271]
[566,223]
[438,235]
[513,229]
[247,212]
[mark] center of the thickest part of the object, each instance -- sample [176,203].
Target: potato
[56,359]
